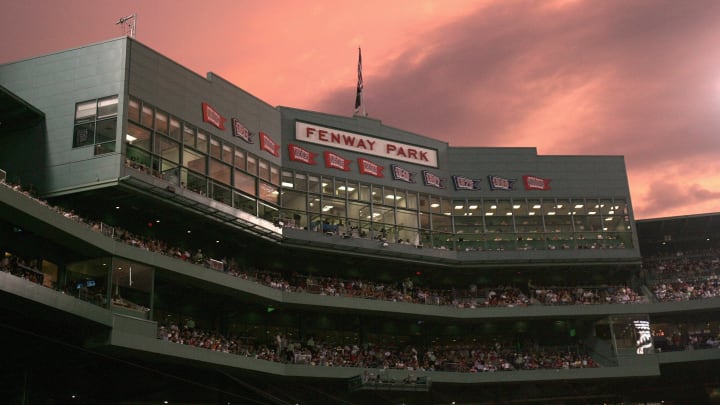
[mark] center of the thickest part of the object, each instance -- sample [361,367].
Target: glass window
[194,181]
[137,158]
[364,193]
[194,160]
[341,188]
[161,122]
[84,134]
[96,124]
[301,183]
[424,203]
[376,194]
[252,164]
[138,136]
[267,212]
[401,198]
[166,148]
[407,219]
[264,172]
[85,111]
[202,141]
[435,204]
[105,130]
[170,171]
[215,148]
[239,159]
[134,110]
[293,200]
[227,154]
[274,175]
[268,192]
[147,116]
[131,282]
[412,200]
[244,182]
[327,186]
[107,107]
[287,180]
[221,193]
[314,184]
[174,129]
[353,190]
[245,203]
[220,171]
[88,280]
[188,135]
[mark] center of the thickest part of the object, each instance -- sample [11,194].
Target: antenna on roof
[128,25]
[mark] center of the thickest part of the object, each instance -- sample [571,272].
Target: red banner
[536,183]
[268,144]
[335,161]
[298,154]
[211,116]
[367,167]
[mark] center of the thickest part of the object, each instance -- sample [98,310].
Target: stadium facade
[145,203]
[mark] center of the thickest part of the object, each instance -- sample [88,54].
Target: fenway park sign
[334,138]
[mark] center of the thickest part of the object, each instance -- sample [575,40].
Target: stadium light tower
[128,25]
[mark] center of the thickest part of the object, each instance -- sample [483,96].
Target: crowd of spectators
[22,268]
[469,296]
[475,357]
[684,276]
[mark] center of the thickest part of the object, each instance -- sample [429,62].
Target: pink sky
[637,78]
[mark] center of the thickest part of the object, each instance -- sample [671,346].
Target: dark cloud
[639,79]
[668,195]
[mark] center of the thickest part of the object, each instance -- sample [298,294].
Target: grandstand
[171,238]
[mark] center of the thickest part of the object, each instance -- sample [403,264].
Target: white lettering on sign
[365,144]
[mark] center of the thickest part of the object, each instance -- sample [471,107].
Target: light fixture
[435,205]
[327,208]
[509,213]
[551,213]
[489,214]
[473,207]
[536,206]
[130,138]
[287,184]
[492,207]
[459,207]
[516,206]
[592,212]
[579,206]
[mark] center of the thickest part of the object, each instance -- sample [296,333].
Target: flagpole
[359,104]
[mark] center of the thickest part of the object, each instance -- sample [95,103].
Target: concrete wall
[54,83]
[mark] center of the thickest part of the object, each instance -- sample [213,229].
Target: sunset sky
[639,78]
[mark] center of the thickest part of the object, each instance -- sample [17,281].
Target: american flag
[359,107]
